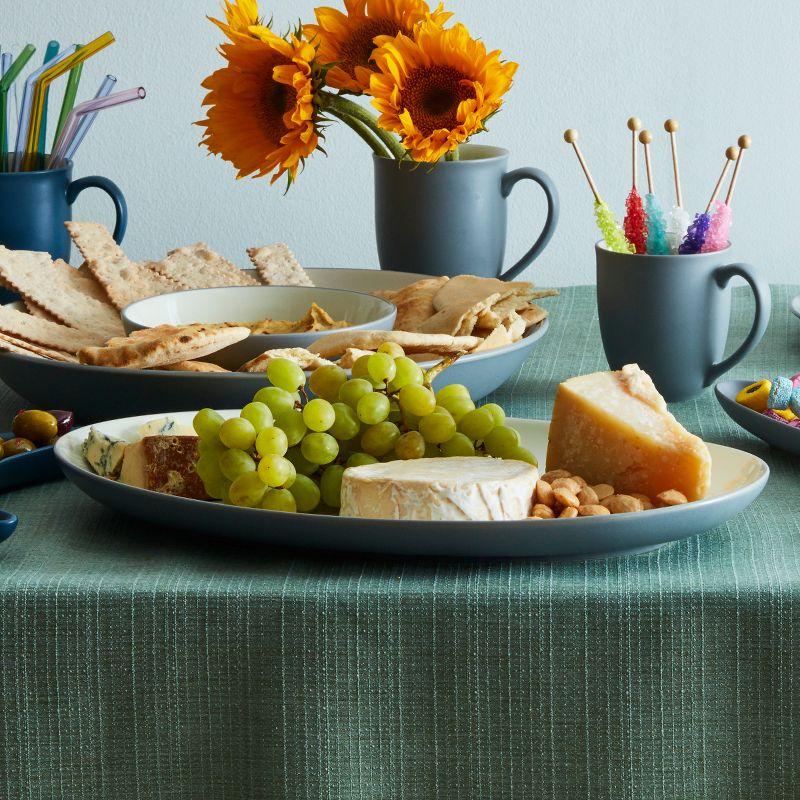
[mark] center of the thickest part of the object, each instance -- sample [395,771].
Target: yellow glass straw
[56,71]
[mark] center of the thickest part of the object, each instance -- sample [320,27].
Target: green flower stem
[334,102]
[452,155]
[363,131]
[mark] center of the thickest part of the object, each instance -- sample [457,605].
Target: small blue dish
[8,524]
[37,466]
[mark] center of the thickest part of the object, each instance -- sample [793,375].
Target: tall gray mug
[671,315]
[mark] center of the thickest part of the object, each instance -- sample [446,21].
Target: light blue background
[720,68]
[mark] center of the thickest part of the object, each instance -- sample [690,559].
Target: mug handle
[763,299]
[112,190]
[507,183]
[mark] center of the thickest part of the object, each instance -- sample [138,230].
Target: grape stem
[437,369]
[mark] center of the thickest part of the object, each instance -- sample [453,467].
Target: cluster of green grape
[288,453]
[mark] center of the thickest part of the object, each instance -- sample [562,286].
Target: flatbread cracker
[24,270]
[75,280]
[415,303]
[38,311]
[43,332]
[192,366]
[458,319]
[299,355]
[468,289]
[533,314]
[277,266]
[351,355]
[15,345]
[499,337]
[199,267]
[165,344]
[335,344]
[500,311]
[385,294]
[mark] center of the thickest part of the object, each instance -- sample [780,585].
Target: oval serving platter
[777,434]
[95,393]
[737,480]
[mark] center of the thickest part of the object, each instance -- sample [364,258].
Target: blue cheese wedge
[104,453]
[457,489]
[164,426]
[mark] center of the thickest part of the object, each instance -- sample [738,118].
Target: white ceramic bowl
[255,303]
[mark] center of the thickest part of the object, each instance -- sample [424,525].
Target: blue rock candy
[657,243]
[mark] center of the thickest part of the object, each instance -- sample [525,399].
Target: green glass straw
[70,93]
[13,73]
[52,50]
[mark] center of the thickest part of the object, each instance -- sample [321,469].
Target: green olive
[13,447]
[38,426]
[2,450]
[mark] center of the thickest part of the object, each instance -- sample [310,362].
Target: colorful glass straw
[70,93]
[51,74]
[678,218]
[635,222]
[606,221]
[656,224]
[91,106]
[88,119]
[7,80]
[5,64]
[50,52]
[718,236]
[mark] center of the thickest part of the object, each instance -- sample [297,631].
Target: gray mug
[449,218]
[671,314]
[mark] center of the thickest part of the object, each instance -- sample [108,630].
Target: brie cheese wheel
[457,489]
[614,427]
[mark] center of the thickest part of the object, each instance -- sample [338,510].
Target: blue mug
[35,205]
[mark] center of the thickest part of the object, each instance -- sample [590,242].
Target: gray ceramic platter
[101,392]
[737,480]
[777,434]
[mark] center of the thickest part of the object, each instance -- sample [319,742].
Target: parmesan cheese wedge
[457,489]
[614,427]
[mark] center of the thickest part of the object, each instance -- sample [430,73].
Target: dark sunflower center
[432,95]
[276,100]
[357,49]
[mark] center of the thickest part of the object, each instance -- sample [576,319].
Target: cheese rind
[164,464]
[614,427]
[104,453]
[458,489]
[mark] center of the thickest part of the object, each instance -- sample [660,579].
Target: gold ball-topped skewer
[671,126]
[634,124]
[731,154]
[645,137]
[571,136]
[744,143]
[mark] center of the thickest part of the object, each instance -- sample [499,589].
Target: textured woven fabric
[141,663]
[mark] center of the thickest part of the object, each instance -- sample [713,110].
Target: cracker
[123,280]
[38,311]
[533,314]
[27,271]
[277,266]
[199,267]
[459,319]
[43,332]
[192,366]
[415,303]
[300,356]
[15,345]
[499,311]
[469,289]
[335,344]
[385,294]
[165,344]
[498,337]
[351,355]
[80,282]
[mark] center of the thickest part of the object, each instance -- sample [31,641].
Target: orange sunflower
[261,114]
[438,88]
[240,16]
[348,40]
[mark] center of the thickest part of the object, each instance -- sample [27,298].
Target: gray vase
[671,314]
[449,218]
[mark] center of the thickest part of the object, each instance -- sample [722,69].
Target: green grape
[395,414]
[381,367]
[392,348]
[285,374]
[523,454]
[458,445]
[406,371]
[279,500]
[292,424]
[233,463]
[211,449]
[353,390]
[206,424]
[437,428]
[410,445]
[326,381]
[450,391]
[319,448]
[345,425]
[301,464]
[432,450]
[318,415]
[417,399]
[497,412]
[237,433]
[477,424]
[359,368]
[458,406]
[373,408]
[207,468]
[277,400]
[360,460]
[411,421]
[378,440]
[276,471]
[272,440]
[501,442]
[257,414]
[331,486]
[306,493]
[217,487]
[247,490]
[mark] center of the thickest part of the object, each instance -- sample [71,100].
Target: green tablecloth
[140,663]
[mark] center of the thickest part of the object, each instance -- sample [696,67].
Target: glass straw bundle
[88,119]
[9,76]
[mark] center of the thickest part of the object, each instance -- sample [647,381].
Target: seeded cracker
[276,266]
[15,345]
[42,332]
[199,267]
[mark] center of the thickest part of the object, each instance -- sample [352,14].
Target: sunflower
[438,88]
[261,105]
[240,16]
[348,40]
